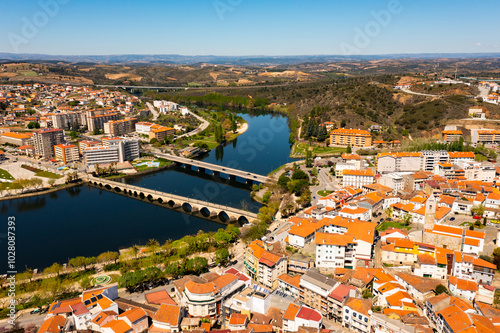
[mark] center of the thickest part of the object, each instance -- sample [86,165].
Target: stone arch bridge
[198,208]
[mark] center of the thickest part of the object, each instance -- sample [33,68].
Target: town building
[44,141]
[399,162]
[120,127]
[350,137]
[358,178]
[66,153]
[16,139]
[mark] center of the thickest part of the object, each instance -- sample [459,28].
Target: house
[53,324]
[463,288]
[116,326]
[357,313]
[418,287]
[237,321]
[168,317]
[355,213]
[473,242]
[393,233]
[302,233]
[290,285]
[299,263]
[358,178]
[297,316]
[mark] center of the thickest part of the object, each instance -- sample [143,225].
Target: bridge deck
[176,198]
[215,167]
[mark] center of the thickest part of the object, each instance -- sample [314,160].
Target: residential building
[160,132]
[399,162]
[16,139]
[297,316]
[44,141]
[357,313]
[452,135]
[433,157]
[264,266]
[315,288]
[86,144]
[168,318]
[463,288]
[136,318]
[350,137]
[120,127]
[358,178]
[66,153]
[334,250]
[290,285]
[97,122]
[337,298]
[487,137]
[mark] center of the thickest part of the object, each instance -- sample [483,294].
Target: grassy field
[4,174]
[300,149]
[324,193]
[392,224]
[48,174]
[28,73]
[145,167]
[481,158]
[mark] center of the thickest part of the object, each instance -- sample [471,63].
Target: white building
[358,178]
[462,288]
[399,162]
[356,314]
[334,250]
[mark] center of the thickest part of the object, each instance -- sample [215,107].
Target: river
[86,221]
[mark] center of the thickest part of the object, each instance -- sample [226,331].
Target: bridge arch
[135,193]
[107,186]
[171,203]
[187,207]
[117,189]
[223,216]
[150,197]
[243,220]
[141,195]
[205,212]
[160,200]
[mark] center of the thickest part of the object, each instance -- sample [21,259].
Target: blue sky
[248,27]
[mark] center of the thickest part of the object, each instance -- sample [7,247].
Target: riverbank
[41,192]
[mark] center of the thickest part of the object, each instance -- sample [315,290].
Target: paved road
[153,111]
[204,124]
[326,182]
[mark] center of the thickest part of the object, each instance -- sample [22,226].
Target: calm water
[87,221]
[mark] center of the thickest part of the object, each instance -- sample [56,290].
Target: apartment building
[44,141]
[160,132]
[264,266]
[433,157]
[315,288]
[97,122]
[487,137]
[67,120]
[350,137]
[86,144]
[66,153]
[399,162]
[452,136]
[334,250]
[101,155]
[17,139]
[297,316]
[358,178]
[120,127]
[129,148]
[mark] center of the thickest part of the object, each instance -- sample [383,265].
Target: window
[360,316]
[346,310]
[354,314]
[366,320]
[346,317]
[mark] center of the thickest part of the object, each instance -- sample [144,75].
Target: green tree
[108,256]
[478,210]
[55,268]
[349,149]
[153,141]
[222,256]
[234,127]
[73,135]
[299,174]
[283,180]
[322,134]
[51,182]
[266,197]
[86,283]
[309,158]
[33,125]
[496,257]
[441,289]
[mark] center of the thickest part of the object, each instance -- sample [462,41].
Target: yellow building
[160,132]
[350,137]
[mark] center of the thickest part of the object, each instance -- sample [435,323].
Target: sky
[248,27]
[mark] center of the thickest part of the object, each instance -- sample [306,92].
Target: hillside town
[404,241]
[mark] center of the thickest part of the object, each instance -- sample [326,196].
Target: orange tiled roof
[345,131]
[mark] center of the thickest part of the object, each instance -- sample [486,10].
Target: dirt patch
[288,74]
[408,79]
[8,74]
[244,82]
[172,78]
[119,76]
[214,76]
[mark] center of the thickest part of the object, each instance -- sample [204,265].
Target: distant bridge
[199,208]
[250,177]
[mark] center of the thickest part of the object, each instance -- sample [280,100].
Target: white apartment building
[100,155]
[399,162]
[358,178]
[334,250]
[433,157]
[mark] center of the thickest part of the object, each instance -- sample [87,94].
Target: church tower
[430,212]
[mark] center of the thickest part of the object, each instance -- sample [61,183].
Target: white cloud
[479,44]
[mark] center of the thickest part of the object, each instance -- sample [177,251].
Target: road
[326,182]
[153,111]
[416,93]
[204,124]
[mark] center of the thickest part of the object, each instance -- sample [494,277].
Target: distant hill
[228,60]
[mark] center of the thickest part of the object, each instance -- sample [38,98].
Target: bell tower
[430,212]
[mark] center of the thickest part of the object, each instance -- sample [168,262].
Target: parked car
[381,220]
[452,218]
[37,310]
[389,219]
[476,217]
